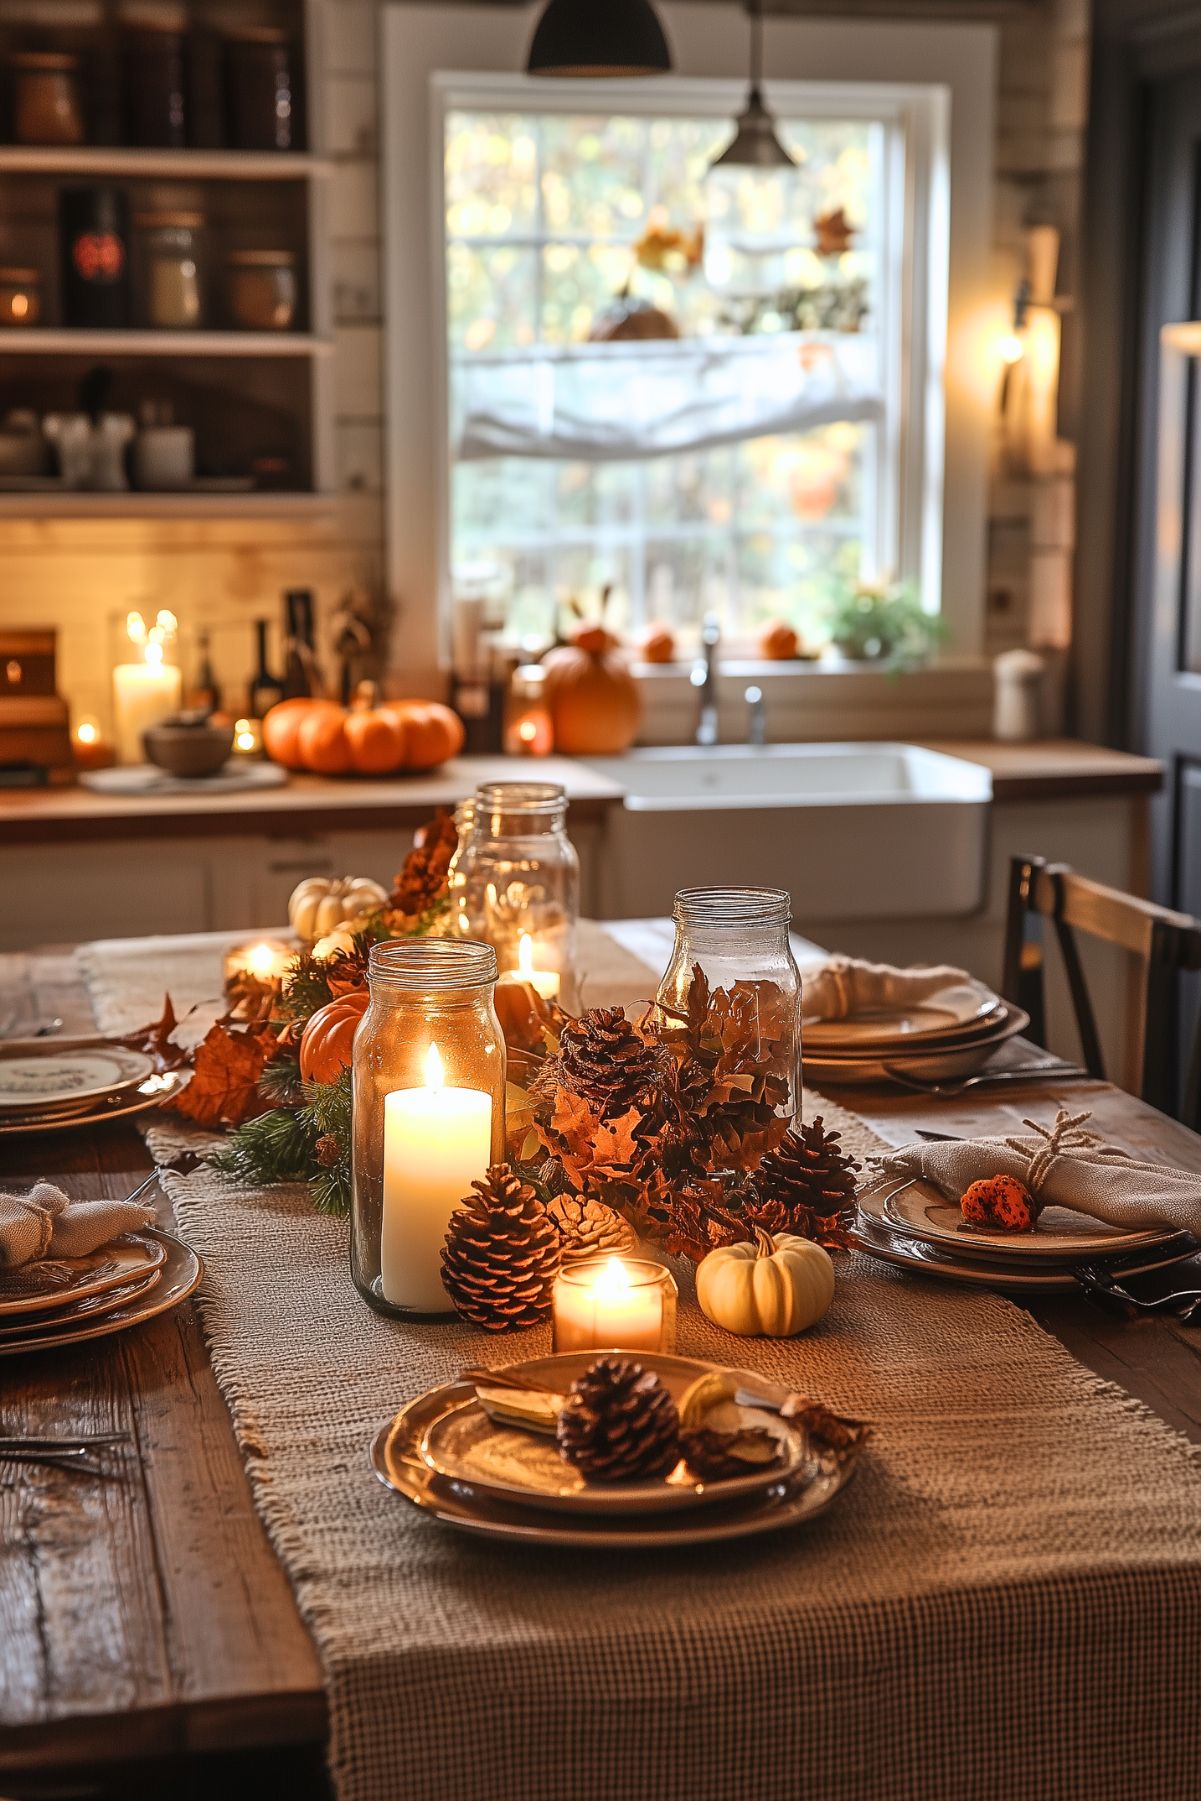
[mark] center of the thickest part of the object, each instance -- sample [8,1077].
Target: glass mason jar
[429,1113]
[738,938]
[46,98]
[174,298]
[521,884]
[456,869]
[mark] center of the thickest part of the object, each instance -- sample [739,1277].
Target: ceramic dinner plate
[509,1465]
[53,1282]
[929,1064]
[963,1006]
[397,1461]
[91,1307]
[119,1106]
[180,1275]
[68,1081]
[932,1260]
[920,1211]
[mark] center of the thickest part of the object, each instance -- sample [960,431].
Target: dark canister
[94,234]
[260,89]
[154,75]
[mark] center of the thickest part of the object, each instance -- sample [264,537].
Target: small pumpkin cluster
[370,737]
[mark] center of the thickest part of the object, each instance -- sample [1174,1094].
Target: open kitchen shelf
[69,504]
[119,162]
[72,341]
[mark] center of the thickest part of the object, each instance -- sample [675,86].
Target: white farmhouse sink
[853,831]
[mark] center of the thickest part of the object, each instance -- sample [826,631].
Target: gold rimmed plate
[181,1273]
[55,1081]
[92,1306]
[53,1282]
[933,1260]
[918,1210]
[855,1069]
[960,1007]
[156,1090]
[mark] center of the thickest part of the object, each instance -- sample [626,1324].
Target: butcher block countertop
[1055,770]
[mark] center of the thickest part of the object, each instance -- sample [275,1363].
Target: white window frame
[940,77]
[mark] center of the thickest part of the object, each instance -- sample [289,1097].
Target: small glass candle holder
[429,1113]
[520,883]
[528,731]
[615,1304]
[254,976]
[248,741]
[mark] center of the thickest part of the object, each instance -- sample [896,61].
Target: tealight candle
[88,745]
[248,740]
[544,982]
[437,1141]
[614,1303]
[263,963]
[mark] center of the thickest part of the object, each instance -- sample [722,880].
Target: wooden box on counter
[35,738]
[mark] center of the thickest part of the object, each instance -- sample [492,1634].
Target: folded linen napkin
[45,1223]
[848,985]
[1064,1167]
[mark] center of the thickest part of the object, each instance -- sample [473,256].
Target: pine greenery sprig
[280,1081]
[327,1113]
[275,1147]
[306,988]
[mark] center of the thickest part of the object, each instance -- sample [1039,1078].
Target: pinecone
[713,1455]
[620,1422]
[605,1061]
[805,1186]
[501,1254]
[590,1229]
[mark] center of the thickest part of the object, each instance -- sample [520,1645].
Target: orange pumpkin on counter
[658,644]
[368,738]
[779,642]
[592,695]
[328,1037]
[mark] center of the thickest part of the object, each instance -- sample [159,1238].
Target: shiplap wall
[222,575]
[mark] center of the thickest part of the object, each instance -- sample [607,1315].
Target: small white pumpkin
[769,1289]
[334,944]
[321,904]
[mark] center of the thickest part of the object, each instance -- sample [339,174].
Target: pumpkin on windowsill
[592,694]
[370,737]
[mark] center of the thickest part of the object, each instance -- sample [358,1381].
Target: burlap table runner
[1005,1603]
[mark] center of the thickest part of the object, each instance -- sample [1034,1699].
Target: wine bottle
[301,675]
[265,689]
[206,690]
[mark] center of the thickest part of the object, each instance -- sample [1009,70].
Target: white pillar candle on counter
[143,694]
[613,1305]
[437,1142]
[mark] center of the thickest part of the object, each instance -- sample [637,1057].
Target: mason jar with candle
[460,862]
[521,883]
[738,940]
[429,1113]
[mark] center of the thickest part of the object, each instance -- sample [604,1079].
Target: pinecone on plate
[619,1423]
[501,1254]
[605,1061]
[805,1186]
[715,1456]
[590,1229]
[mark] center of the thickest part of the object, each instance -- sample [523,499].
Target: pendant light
[755,144]
[589,38]
[749,193]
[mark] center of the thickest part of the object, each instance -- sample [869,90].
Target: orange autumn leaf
[155,1041]
[223,1090]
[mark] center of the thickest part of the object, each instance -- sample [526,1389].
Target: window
[788,450]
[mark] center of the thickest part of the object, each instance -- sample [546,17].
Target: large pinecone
[590,1229]
[805,1186]
[605,1061]
[501,1254]
[620,1422]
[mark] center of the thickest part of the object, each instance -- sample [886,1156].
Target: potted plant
[883,622]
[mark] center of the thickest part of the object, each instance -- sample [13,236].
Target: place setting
[77,1270]
[73,1085]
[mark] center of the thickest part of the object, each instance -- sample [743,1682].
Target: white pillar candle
[437,1142]
[607,1306]
[143,694]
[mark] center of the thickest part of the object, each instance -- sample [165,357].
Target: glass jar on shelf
[520,885]
[173,288]
[736,940]
[46,103]
[261,289]
[429,1113]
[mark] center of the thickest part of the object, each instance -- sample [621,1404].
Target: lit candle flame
[260,960]
[612,1281]
[153,654]
[525,955]
[435,1075]
[135,628]
[87,732]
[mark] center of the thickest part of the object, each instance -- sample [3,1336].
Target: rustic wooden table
[149,1642]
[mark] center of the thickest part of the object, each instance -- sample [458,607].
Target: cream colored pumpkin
[334,944]
[321,904]
[769,1289]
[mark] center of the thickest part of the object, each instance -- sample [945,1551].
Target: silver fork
[1184,1304]
[1025,1072]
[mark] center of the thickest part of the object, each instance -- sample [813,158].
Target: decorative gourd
[368,738]
[338,943]
[328,1038]
[770,1289]
[592,695]
[658,644]
[627,317]
[779,642]
[321,904]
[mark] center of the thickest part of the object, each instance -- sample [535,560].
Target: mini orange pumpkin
[433,732]
[281,729]
[658,644]
[592,695]
[328,1038]
[367,739]
[778,641]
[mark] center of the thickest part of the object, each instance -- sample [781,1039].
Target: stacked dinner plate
[951,1033]
[913,1225]
[48,1087]
[448,1455]
[64,1300]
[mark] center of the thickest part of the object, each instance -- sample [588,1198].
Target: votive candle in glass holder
[614,1304]
[254,972]
[248,741]
[429,1113]
[520,879]
[528,731]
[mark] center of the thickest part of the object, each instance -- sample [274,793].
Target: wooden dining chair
[1167,945]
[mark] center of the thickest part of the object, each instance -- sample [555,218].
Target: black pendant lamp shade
[756,142]
[599,38]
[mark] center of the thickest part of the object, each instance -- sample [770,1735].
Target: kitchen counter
[1055,770]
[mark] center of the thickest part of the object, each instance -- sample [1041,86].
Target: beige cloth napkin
[1068,1167]
[45,1223]
[847,985]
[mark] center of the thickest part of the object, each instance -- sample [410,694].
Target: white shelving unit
[70,341]
[121,163]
